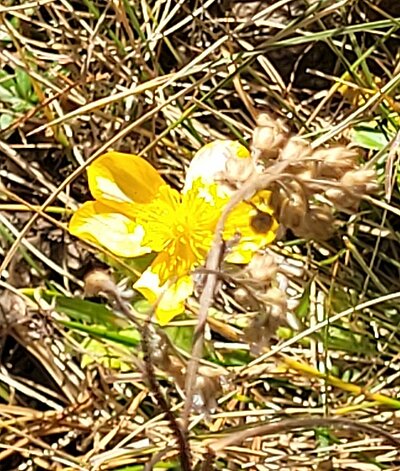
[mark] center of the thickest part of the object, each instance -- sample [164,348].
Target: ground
[161,79]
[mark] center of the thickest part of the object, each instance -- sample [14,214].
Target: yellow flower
[135,212]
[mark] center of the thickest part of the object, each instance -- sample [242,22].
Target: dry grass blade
[159,79]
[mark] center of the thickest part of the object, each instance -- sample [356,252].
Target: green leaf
[340,338]
[108,354]
[87,311]
[5,121]
[16,22]
[127,337]
[304,304]
[137,264]
[5,92]
[23,84]
[9,95]
[235,357]
[6,80]
[325,437]
[342,299]
[181,337]
[369,137]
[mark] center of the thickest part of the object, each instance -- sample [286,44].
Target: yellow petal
[119,180]
[170,297]
[98,223]
[209,163]
[253,224]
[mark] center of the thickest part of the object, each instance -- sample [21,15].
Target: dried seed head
[246,301]
[290,204]
[238,170]
[334,162]
[360,181]
[296,150]
[299,154]
[331,172]
[317,223]
[264,325]
[352,187]
[97,282]
[207,388]
[342,198]
[268,137]
[262,267]
[306,174]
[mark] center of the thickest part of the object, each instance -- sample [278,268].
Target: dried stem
[156,458]
[293,424]
[253,185]
[178,431]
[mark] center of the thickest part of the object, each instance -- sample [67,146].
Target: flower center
[180,224]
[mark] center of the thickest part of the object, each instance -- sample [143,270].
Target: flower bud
[210,165]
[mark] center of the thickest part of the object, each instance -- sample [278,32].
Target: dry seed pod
[207,388]
[238,170]
[290,204]
[299,154]
[353,186]
[264,325]
[361,181]
[97,282]
[296,150]
[268,137]
[307,174]
[342,198]
[317,223]
[262,267]
[334,162]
